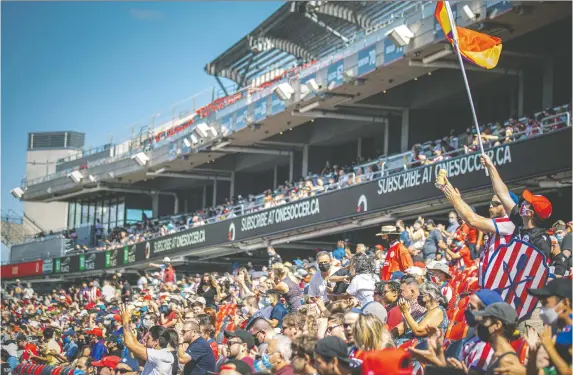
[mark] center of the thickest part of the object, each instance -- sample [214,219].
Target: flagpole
[460,60]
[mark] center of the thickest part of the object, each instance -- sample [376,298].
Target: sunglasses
[122,371]
[329,329]
[495,204]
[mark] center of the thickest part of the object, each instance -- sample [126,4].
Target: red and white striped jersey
[477,354]
[504,230]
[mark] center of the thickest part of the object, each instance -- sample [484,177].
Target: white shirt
[362,287]
[142,283]
[108,292]
[28,293]
[159,362]
[317,285]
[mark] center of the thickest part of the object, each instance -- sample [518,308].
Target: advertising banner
[411,186]
[241,120]
[367,60]
[495,8]
[260,109]
[334,77]
[303,81]
[392,52]
[15,271]
[277,105]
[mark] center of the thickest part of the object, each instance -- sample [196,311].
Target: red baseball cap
[541,205]
[387,361]
[110,361]
[96,332]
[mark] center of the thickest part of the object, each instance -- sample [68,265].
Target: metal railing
[190,105]
[260,203]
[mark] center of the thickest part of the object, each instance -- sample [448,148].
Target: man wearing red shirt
[459,254]
[398,257]
[28,348]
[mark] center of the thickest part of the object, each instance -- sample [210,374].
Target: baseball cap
[488,296]
[245,337]
[331,347]
[541,205]
[240,366]
[131,362]
[96,332]
[166,260]
[429,222]
[110,361]
[499,310]
[387,361]
[414,271]
[556,287]
[202,300]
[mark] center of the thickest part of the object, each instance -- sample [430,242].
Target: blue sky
[101,67]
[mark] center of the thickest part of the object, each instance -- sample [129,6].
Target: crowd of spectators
[331,177]
[413,303]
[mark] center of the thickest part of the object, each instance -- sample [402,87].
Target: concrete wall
[49,216]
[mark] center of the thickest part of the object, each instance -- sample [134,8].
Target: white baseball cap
[414,271]
[166,260]
[202,300]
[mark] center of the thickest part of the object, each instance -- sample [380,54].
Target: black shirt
[566,243]
[209,296]
[561,264]
[5,369]
[535,236]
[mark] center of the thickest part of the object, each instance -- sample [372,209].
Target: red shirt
[32,348]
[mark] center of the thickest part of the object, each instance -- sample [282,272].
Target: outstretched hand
[435,352]
[451,192]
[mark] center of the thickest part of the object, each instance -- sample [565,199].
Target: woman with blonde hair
[286,286]
[369,334]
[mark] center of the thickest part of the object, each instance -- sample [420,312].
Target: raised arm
[139,350]
[465,211]
[499,186]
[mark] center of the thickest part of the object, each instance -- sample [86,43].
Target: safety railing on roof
[146,142]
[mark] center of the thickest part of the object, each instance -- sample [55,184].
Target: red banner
[14,271]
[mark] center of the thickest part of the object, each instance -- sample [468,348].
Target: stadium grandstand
[339,116]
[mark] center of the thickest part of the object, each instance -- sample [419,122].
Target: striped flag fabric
[478,48]
[513,269]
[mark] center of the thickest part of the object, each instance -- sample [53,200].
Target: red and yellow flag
[478,48]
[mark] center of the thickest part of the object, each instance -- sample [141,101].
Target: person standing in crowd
[278,311]
[167,270]
[319,283]
[398,256]
[198,358]
[98,344]
[433,241]
[362,268]
[239,345]
[159,360]
[279,354]
[286,286]
[331,357]
[303,355]
[440,274]
[527,216]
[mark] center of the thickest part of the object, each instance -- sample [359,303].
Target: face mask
[417,226]
[266,359]
[147,323]
[421,301]
[245,310]
[144,309]
[470,318]
[324,267]
[559,237]
[483,333]
[459,243]
[164,309]
[66,340]
[548,315]
[452,220]
[81,342]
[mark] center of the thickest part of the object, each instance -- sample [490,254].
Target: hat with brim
[442,267]
[388,229]
[557,287]
[500,310]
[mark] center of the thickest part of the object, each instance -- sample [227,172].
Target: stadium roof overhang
[298,32]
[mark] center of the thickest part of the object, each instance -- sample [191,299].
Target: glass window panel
[78,215]
[121,213]
[105,211]
[71,214]
[133,216]
[85,213]
[99,211]
[148,213]
[113,214]
[91,214]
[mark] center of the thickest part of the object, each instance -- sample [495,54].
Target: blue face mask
[66,340]
[266,359]
[144,309]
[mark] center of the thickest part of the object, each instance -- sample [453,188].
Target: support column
[275,176]
[386,137]
[405,130]
[214,192]
[155,205]
[232,189]
[547,83]
[304,160]
[359,148]
[204,203]
[520,94]
[291,167]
